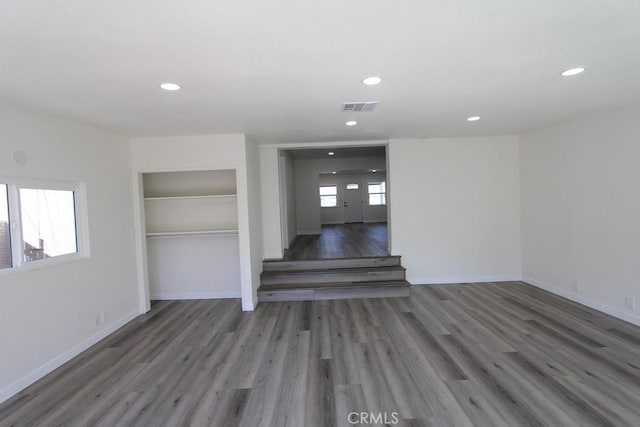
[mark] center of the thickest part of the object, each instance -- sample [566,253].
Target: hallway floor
[341,241]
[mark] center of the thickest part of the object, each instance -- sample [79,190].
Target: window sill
[43,263]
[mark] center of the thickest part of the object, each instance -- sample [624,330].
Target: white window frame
[369,193]
[15,222]
[329,195]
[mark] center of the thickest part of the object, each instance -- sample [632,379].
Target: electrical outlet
[630,303]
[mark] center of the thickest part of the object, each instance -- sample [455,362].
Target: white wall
[209,267]
[581,210]
[204,152]
[288,176]
[456,208]
[255,213]
[48,315]
[335,215]
[271,221]
[307,172]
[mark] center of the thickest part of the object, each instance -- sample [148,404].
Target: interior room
[319,213]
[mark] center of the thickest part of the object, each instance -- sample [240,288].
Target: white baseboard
[615,312]
[58,361]
[194,295]
[447,280]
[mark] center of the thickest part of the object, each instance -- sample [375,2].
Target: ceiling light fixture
[572,72]
[334,172]
[331,153]
[351,123]
[170,86]
[473,118]
[372,81]
[373,171]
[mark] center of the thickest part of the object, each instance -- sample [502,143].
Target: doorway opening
[334,202]
[334,215]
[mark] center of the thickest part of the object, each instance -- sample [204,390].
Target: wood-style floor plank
[497,354]
[341,241]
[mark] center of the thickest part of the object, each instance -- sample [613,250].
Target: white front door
[352,202]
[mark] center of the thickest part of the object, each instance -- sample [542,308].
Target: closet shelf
[211,196]
[193,233]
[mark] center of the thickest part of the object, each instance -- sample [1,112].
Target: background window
[48,223]
[5,234]
[377,194]
[329,196]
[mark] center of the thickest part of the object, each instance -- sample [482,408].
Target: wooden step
[330,263]
[334,285]
[340,275]
[328,291]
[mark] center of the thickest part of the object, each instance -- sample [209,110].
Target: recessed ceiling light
[572,72]
[170,86]
[334,172]
[373,171]
[473,118]
[331,153]
[371,81]
[351,123]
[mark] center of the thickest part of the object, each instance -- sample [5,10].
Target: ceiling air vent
[359,106]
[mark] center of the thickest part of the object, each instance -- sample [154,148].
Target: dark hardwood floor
[503,354]
[341,241]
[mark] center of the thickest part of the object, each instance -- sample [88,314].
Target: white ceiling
[278,70]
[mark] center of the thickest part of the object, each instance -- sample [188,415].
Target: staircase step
[339,275]
[332,285]
[330,263]
[327,291]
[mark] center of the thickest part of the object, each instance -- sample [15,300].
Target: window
[377,194]
[38,221]
[48,223]
[329,196]
[5,234]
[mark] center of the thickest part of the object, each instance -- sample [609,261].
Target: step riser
[329,264]
[333,277]
[329,294]
[309,286]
